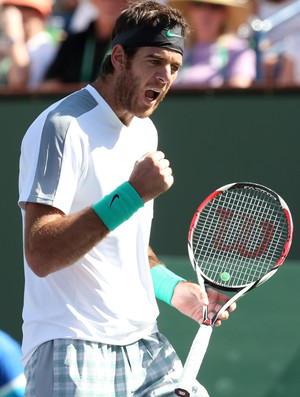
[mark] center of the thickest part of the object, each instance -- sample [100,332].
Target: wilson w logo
[245,234]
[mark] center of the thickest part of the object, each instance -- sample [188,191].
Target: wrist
[118,206]
[164,282]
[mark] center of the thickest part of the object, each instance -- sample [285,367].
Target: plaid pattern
[147,368]
[29,374]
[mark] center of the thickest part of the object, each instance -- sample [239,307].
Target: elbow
[39,272]
[38,264]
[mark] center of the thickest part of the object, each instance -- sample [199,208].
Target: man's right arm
[54,240]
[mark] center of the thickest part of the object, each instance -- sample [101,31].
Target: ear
[118,57]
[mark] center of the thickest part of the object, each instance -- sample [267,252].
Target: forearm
[153,259]
[164,280]
[19,71]
[56,241]
[18,52]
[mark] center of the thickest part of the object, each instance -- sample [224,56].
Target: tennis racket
[238,238]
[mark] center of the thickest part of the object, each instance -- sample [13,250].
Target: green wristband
[164,282]
[118,206]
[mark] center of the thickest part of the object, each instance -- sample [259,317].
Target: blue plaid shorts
[70,367]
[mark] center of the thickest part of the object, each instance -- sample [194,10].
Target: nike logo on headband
[170,34]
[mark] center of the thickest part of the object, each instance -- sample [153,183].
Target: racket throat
[206,320]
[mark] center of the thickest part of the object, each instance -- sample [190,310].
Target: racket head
[239,234]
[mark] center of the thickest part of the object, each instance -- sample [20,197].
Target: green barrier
[223,137]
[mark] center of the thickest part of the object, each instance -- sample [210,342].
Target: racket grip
[194,361]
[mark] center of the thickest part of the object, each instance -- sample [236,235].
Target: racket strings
[239,236]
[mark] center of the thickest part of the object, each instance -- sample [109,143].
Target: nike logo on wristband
[115,196]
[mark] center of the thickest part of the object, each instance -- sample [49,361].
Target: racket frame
[238,185]
[202,338]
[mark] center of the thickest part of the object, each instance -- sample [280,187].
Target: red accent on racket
[238,238]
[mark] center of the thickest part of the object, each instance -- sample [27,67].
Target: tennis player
[89,171]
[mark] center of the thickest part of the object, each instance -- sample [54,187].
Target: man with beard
[89,171]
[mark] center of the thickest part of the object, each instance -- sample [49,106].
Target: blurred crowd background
[233,43]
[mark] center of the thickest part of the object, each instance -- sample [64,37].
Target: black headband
[164,37]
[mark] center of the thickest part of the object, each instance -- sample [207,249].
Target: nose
[164,75]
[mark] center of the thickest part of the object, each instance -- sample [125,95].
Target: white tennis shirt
[73,154]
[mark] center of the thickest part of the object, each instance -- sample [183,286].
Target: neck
[33,27]
[107,89]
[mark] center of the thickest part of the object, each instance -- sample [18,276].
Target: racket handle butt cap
[182,392]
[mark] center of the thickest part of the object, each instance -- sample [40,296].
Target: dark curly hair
[144,14]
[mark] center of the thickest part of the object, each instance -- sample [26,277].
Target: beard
[128,94]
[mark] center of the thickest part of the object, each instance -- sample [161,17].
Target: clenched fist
[152,175]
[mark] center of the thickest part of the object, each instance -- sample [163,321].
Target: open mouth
[152,95]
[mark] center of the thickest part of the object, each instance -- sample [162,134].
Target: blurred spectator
[291,73]
[80,56]
[215,55]
[279,46]
[30,48]
[75,15]
[12,379]
[85,13]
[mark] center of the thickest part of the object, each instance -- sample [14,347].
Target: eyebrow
[162,58]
